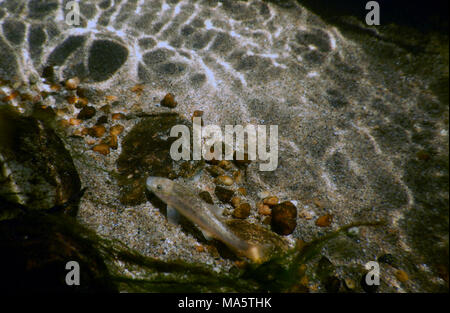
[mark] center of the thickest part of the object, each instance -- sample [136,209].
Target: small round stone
[264,209]
[101,148]
[324,220]
[284,218]
[401,276]
[206,196]
[224,194]
[117,116]
[74,121]
[169,101]
[224,180]
[116,130]
[270,201]
[235,201]
[86,113]
[242,191]
[242,211]
[97,131]
[72,83]
[225,164]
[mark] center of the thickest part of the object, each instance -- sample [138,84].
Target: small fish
[206,216]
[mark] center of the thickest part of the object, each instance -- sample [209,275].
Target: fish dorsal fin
[172,215]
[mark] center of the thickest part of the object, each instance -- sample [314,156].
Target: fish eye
[159,187]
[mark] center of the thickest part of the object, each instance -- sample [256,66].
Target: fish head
[160,186]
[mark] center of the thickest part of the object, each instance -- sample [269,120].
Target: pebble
[401,276]
[224,180]
[197,113]
[263,209]
[97,131]
[101,148]
[284,218]
[74,121]
[102,120]
[206,196]
[200,248]
[215,171]
[86,113]
[111,98]
[72,83]
[237,176]
[117,116]
[270,201]
[224,194]
[225,164]
[235,201]
[137,88]
[169,101]
[349,283]
[116,130]
[111,141]
[242,211]
[324,220]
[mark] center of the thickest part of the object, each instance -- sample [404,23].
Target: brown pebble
[111,98]
[264,209]
[169,101]
[225,164]
[72,99]
[111,141]
[267,220]
[55,87]
[305,214]
[224,194]
[97,131]
[106,108]
[137,88]
[215,171]
[242,211]
[284,218]
[101,148]
[82,102]
[85,131]
[64,123]
[72,83]
[116,130]
[224,180]
[86,113]
[324,220]
[74,121]
[270,201]
[200,248]
[237,176]
[401,276]
[117,116]
[235,201]
[206,196]
[242,191]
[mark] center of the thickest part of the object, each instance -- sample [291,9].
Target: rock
[117,116]
[224,194]
[74,121]
[349,284]
[116,130]
[305,214]
[40,171]
[224,180]
[206,196]
[97,131]
[146,152]
[401,276]
[284,218]
[235,201]
[101,148]
[225,164]
[111,141]
[263,209]
[137,88]
[270,201]
[242,211]
[325,220]
[72,83]
[237,176]
[169,101]
[86,113]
